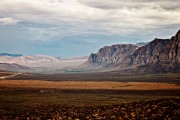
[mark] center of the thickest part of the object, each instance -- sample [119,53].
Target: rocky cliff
[157,52]
[149,53]
[163,54]
[110,55]
[166,59]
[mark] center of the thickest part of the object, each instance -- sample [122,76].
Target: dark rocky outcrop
[158,55]
[158,51]
[149,53]
[110,55]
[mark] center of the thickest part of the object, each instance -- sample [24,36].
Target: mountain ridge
[11,55]
[161,53]
[110,55]
[13,67]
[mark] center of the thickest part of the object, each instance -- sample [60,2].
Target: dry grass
[89,85]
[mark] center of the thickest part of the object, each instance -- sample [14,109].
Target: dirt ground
[87,97]
[89,85]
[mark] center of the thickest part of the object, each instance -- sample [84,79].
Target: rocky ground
[161,109]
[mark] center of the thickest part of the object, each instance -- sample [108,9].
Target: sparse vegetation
[151,109]
[102,76]
[115,97]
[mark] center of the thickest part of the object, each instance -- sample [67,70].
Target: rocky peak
[173,49]
[111,54]
[148,53]
[164,53]
[178,34]
[92,57]
[158,51]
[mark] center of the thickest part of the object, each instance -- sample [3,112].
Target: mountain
[13,67]
[11,55]
[109,56]
[73,58]
[141,44]
[28,60]
[149,53]
[160,55]
[39,63]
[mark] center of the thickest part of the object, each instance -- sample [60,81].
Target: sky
[79,27]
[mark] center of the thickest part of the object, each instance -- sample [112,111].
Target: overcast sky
[80,27]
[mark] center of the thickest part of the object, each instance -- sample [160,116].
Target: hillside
[110,56]
[13,67]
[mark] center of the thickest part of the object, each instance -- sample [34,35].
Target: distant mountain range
[13,67]
[25,60]
[38,62]
[11,55]
[16,62]
[160,55]
[141,44]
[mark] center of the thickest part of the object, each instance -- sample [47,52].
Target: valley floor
[89,85]
[90,97]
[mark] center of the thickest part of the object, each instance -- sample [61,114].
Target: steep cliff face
[159,51]
[149,53]
[110,55]
[158,55]
[172,49]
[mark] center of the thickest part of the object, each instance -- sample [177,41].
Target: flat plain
[89,96]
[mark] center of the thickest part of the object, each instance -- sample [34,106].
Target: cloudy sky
[80,27]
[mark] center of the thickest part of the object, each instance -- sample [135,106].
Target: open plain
[89,96]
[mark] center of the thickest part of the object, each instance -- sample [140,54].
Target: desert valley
[89,60]
[122,81]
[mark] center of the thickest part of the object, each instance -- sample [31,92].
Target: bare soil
[89,85]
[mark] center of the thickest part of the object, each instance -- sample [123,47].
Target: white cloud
[91,16]
[118,4]
[8,21]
